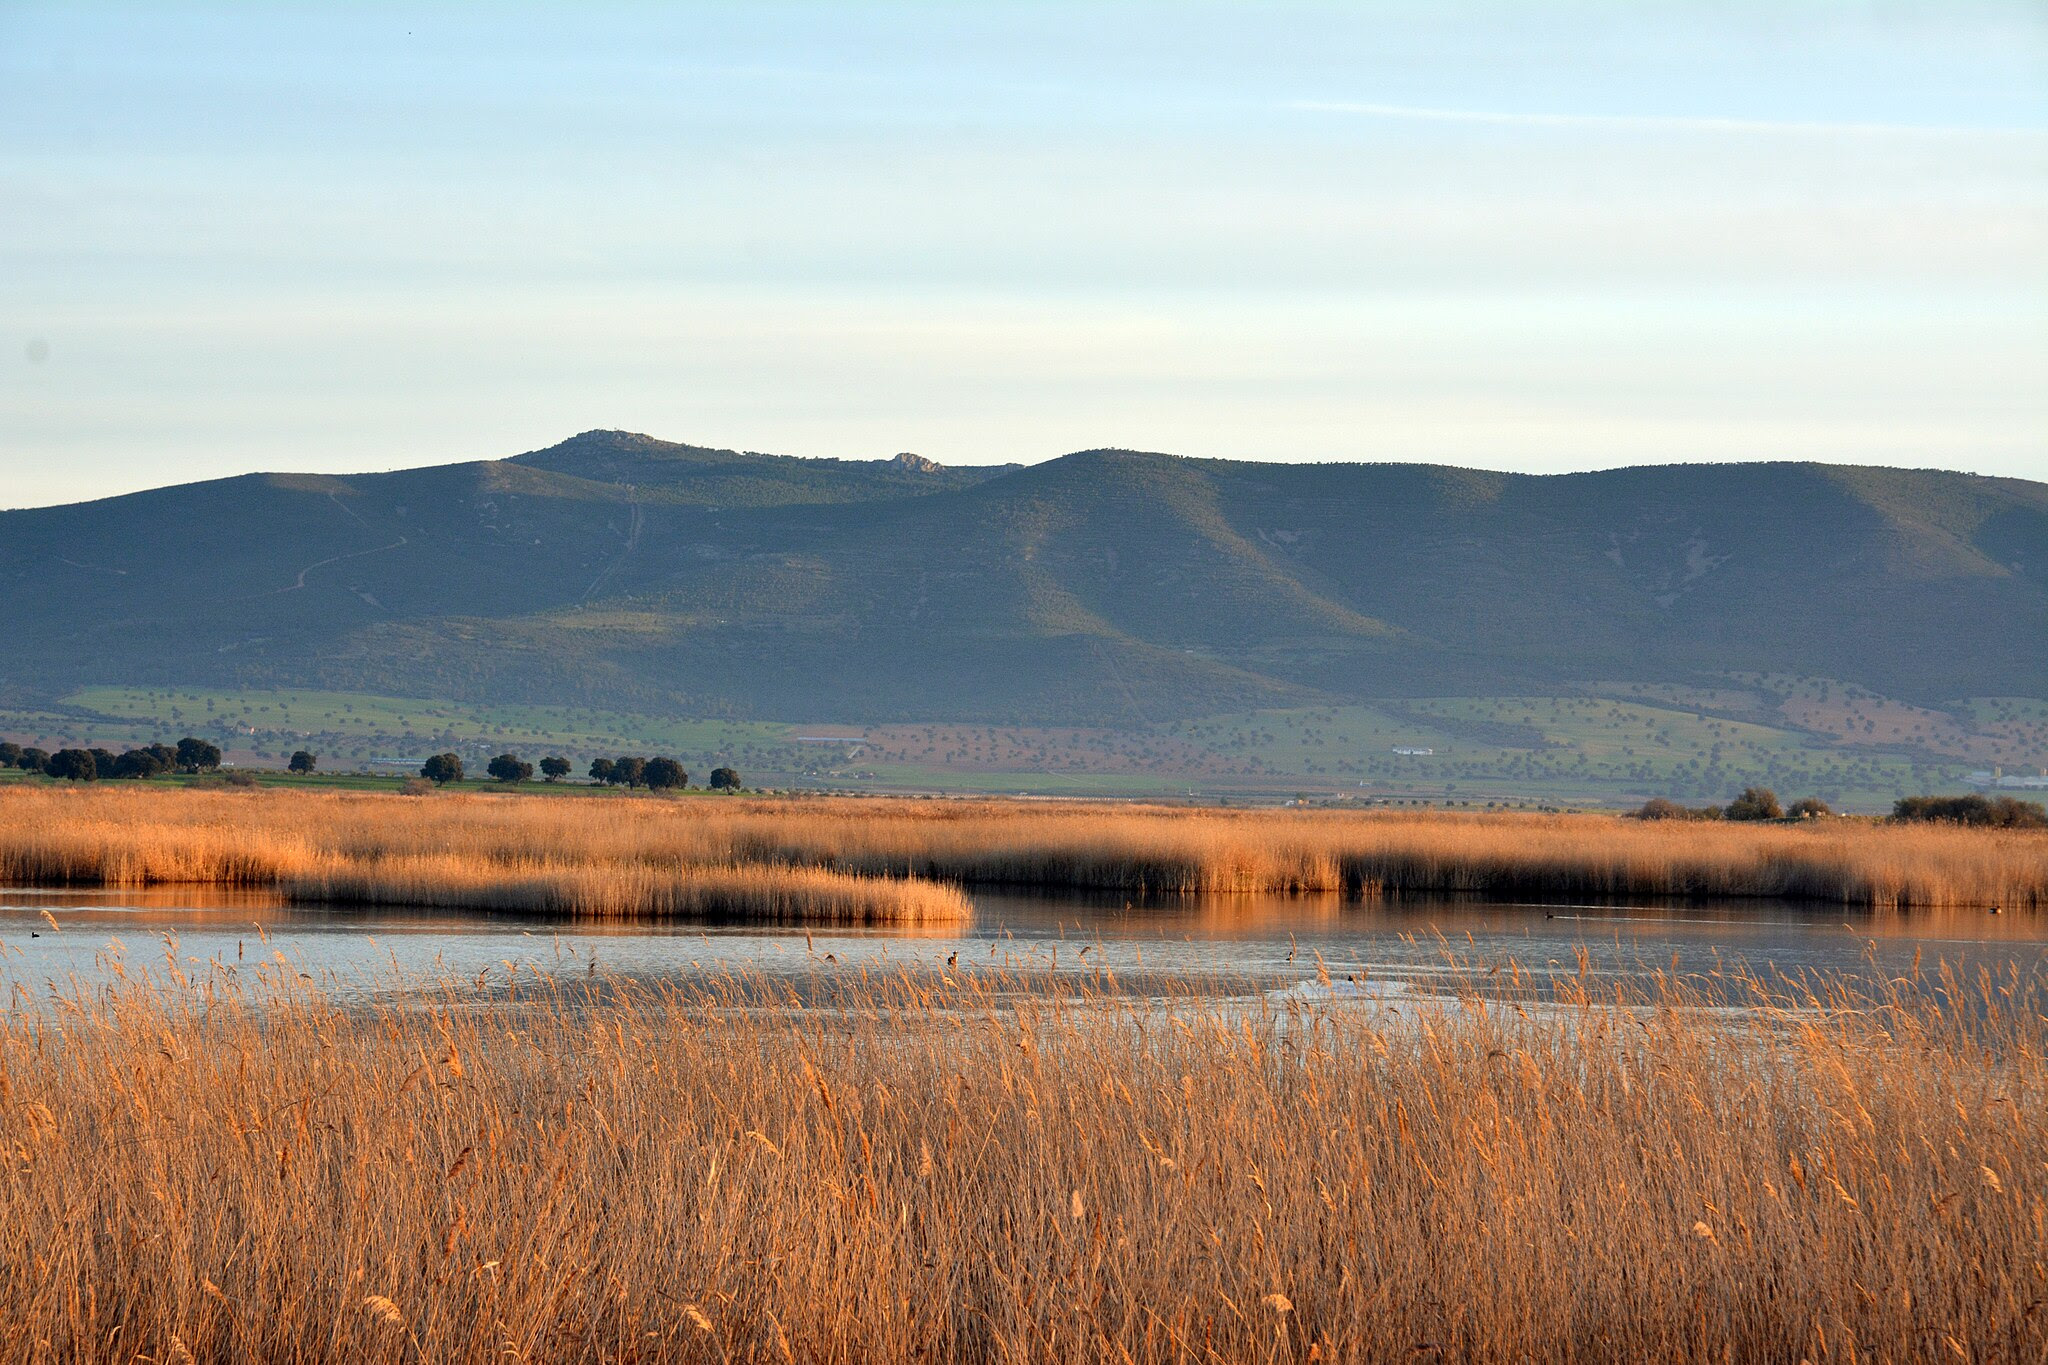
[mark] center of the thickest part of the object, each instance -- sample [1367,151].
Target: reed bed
[1862,863]
[450,854]
[554,888]
[983,1166]
[902,859]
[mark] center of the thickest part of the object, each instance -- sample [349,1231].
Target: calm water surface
[1252,944]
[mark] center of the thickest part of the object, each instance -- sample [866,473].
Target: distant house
[1998,777]
[1412,751]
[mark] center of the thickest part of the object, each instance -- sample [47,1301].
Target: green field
[1698,744]
[1589,744]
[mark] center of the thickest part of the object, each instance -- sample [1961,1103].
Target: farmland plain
[1611,745]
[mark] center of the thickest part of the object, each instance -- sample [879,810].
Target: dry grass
[632,859]
[1153,850]
[871,860]
[927,1168]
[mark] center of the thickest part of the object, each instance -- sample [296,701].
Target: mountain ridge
[1103,586]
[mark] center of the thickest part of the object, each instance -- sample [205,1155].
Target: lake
[1248,944]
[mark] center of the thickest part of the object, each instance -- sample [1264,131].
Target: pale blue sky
[1523,236]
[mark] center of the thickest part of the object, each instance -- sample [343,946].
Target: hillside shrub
[1664,808]
[510,768]
[1755,803]
[73,765]
[442,768]
[196,755]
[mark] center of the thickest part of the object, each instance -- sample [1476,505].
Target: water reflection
[1269,943]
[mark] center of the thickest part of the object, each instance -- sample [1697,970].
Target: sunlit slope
[1106,586]
[1918,582]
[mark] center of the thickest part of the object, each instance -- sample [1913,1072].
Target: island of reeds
[983,1165]
[905,861]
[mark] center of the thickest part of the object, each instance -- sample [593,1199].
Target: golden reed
[984,1165]
[882,860]
[449,852]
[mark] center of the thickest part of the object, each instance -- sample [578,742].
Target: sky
[1526,236]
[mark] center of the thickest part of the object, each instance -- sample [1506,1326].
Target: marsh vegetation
[994,1159]
[879,861]
[580,857]
[977,1164]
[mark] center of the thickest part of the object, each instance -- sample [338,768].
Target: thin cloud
[1650,122]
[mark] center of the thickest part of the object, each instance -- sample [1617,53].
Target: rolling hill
[1105,587]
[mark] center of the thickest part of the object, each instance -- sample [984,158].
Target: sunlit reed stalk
[999,1165]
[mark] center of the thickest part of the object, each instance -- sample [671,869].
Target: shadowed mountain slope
[1106,586]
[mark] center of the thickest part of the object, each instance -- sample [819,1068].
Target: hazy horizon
[1537,238]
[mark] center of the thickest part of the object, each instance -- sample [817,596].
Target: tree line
[654,774]
[193,755]
[1755,803]
[1761,803]
[188,755]
[2001,812]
